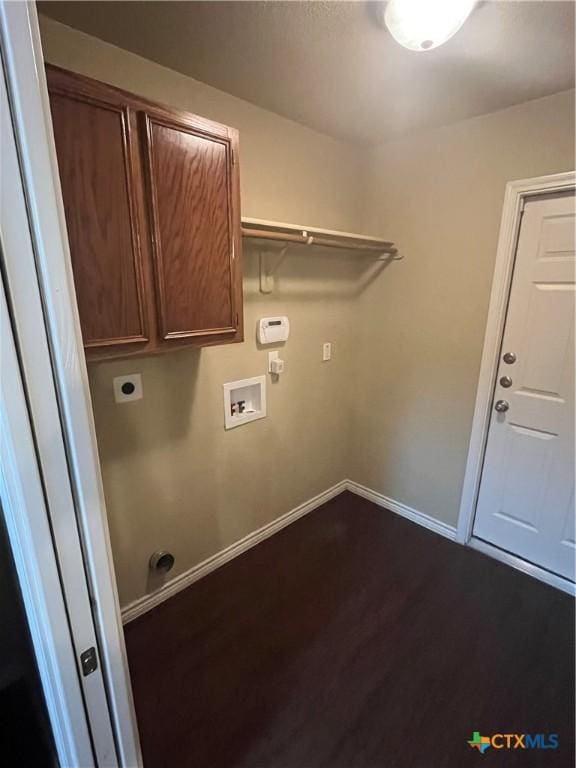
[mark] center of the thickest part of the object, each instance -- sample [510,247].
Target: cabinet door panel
[189,174]
[93,145]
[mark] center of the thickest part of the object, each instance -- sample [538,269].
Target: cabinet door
[97,152]
[195,221]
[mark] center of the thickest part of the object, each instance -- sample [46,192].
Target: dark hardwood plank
[353,639]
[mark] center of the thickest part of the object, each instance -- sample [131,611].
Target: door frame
[517,193]
[57,363]
[27,524]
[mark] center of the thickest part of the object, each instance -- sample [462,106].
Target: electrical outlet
[128,388]
[327,351]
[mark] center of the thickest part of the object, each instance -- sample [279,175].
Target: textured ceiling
[329,65]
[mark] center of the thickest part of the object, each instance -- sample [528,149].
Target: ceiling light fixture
[421,25]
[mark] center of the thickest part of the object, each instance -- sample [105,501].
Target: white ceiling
[329,65]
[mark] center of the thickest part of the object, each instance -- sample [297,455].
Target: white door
[526,497]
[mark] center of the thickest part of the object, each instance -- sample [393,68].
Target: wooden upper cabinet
[189,173]
[151,197]
[94,144]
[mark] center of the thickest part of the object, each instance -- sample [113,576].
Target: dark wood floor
[354,639]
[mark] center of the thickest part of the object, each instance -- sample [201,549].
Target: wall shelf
[274,238]
[277,232]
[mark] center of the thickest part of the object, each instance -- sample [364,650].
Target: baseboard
[448,531]
[552,579]
[146,603]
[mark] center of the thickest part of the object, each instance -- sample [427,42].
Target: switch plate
[327,351]
[128,388]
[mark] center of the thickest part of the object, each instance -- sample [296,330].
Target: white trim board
[147,602]
[516,194]
[197,572]
[431,523]
[552,579]
[26,517]
[49,281]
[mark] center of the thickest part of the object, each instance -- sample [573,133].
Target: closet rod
[313,239]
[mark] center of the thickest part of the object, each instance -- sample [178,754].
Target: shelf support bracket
[391,255]
[270,261]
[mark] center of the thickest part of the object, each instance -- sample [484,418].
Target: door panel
[525,460]
[95,154]
[526,497]
[189,179]
[549,329]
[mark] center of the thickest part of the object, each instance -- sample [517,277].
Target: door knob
[509,357]
[501,406]
[505,381]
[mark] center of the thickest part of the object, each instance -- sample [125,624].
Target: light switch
[327,351]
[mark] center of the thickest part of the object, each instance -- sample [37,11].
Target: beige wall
[173,478]
[288,172]
[440,197]
[393,409]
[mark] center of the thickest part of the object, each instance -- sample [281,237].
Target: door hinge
[233,157]
[89,661]
[237,320]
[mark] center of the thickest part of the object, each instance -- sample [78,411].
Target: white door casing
[28,323]
[39,281]
[526,497]
[27,523]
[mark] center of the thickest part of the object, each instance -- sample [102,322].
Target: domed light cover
[421,25]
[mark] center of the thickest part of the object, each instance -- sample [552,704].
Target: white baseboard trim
[147,602]
[448,531]
[535,571]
